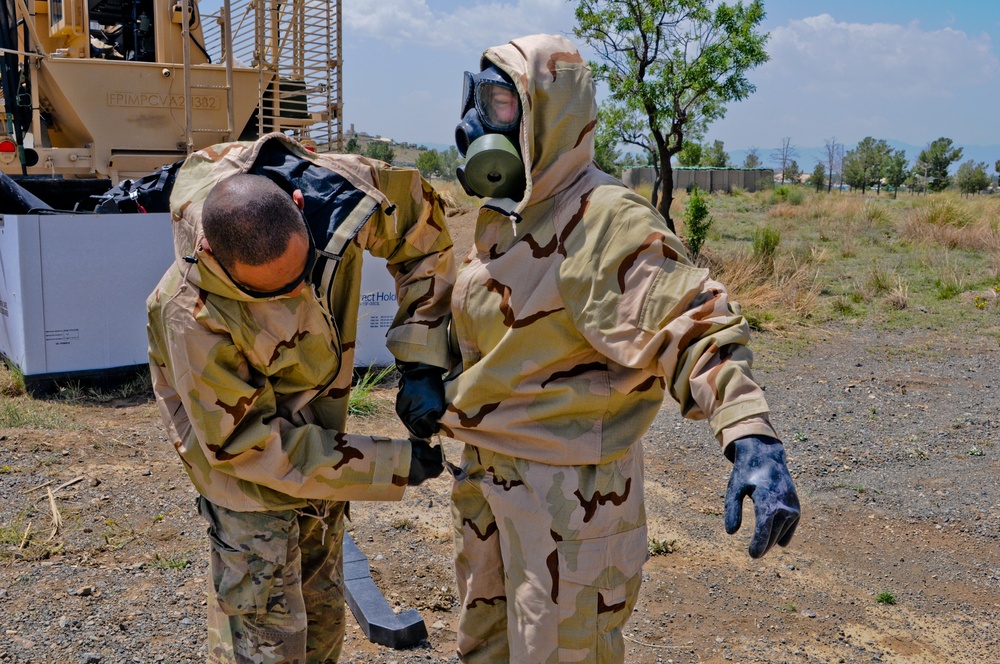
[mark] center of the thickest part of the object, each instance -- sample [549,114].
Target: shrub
[765,243]
[879,280]
[697,221]
[786,194]
[947,288]
[945,212]
[899,298]
[874,213]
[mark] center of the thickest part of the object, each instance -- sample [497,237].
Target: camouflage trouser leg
[276,585]
[548,558]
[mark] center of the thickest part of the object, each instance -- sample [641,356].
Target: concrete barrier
[707,179]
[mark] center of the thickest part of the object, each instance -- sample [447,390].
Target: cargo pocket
[248,553]
[598,587]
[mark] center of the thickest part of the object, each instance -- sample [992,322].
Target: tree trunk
[667,182]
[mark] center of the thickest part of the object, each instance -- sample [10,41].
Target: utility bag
[150,193]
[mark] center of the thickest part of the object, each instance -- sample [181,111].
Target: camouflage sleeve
[414,239]
[227,421]
[647,307]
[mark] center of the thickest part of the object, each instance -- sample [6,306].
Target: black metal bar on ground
[380,624]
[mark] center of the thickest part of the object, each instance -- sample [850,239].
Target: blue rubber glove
[759,471]
[420,400]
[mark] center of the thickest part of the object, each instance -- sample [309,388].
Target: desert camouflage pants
[548,558]
[276,589]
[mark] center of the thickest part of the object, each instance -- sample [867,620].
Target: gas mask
[487,136]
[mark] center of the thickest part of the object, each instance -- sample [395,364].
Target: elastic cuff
[758,425]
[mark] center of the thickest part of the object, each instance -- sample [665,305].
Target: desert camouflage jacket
[574,321]
[254,392]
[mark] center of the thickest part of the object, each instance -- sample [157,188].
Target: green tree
[429,163]
[935,160]
[449,163]
[752,160]
[896,171]
[671,66]
[853,170]
[352,146]
[690,154]
[972,178]
[996,167]
[432,163]
[818,177]
[792,173]
[381,150]
[864,165]
[606,154]
[715,156]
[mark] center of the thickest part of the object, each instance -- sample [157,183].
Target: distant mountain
[808,156]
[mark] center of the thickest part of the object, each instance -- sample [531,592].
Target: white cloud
[466,28]
[850,60]
[851,80]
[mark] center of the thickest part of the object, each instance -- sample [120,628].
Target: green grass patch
[166,562]
[25,413]
[886,597]
[662,547]
[362,401]
[916,261]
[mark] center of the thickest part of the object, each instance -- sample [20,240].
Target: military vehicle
[110,89]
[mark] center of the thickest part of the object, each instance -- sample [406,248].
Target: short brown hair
[249,219]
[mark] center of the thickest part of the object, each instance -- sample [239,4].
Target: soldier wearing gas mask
[576,313]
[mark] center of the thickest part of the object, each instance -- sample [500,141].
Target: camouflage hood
[207,167]
[560,111]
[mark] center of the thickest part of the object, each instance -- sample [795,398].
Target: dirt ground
[890,438]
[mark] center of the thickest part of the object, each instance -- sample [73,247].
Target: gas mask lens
[498,106]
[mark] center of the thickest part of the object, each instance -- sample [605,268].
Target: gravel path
[890,438]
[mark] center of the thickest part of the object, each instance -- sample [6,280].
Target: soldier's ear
[299,199]
[205,246]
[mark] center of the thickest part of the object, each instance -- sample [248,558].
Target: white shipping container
[73,291]
[375,314]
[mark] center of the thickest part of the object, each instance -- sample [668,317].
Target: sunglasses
[287,288]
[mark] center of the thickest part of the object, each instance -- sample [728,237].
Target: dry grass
[954,223]
[11,381]
[774,295]
[899,297]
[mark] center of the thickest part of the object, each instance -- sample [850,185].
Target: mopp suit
[575,313]
[254,392]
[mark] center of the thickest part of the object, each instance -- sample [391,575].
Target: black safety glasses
[287,288]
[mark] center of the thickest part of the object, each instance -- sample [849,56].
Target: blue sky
[903,70]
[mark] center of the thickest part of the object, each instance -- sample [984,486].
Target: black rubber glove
[759,471]
[420,400]
[426,462]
